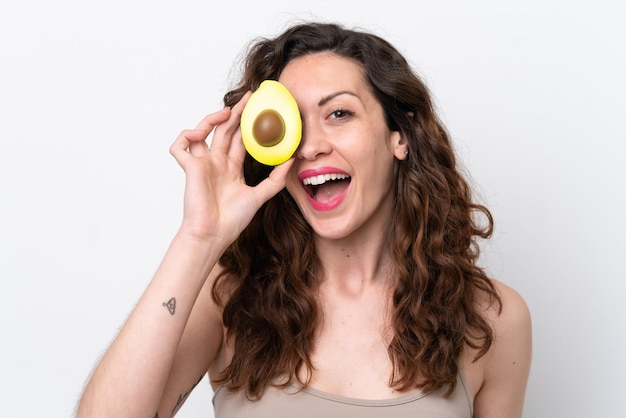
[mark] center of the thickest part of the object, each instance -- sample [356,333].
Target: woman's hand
[217,203]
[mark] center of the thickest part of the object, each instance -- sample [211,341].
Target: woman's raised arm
[137,369]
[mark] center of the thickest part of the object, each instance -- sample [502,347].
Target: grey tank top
[309,403]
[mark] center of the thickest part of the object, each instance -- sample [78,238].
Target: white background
[93,93]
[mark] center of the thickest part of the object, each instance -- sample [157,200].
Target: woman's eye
[340,114]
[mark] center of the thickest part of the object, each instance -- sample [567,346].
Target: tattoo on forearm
[183,397]
[171,305]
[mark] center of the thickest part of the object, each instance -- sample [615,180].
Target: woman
[357,296]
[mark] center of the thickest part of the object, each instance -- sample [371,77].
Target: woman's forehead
[323,74]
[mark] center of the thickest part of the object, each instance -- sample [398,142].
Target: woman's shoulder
[510,319]
[504,369]
[514,311]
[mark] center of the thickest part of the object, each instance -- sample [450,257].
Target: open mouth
[324,188]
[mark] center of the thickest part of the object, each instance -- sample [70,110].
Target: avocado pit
[268,128]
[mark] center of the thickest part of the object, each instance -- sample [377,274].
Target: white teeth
[323,178]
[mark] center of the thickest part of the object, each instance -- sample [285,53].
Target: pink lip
[332,204]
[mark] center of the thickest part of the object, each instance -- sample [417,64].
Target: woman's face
[343,176]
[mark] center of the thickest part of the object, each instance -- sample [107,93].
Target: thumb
[275,182]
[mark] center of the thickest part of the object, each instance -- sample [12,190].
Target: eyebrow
[331,96]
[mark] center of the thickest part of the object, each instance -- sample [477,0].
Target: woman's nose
[314,143]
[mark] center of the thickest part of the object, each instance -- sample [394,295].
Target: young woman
[357,296]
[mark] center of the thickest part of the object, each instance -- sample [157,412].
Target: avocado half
[271,127]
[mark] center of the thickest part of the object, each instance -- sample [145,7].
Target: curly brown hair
[268,288]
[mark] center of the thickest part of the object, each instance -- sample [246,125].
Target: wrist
[200,241]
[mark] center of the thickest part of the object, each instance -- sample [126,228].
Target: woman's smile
[326,187]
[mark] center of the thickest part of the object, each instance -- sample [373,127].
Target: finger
[209,122]
[274,183]
[223,137]
[207,125]
[198,148]
[181,146]
[237,150]
[193,141]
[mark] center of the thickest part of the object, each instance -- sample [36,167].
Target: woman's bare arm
[196,351]
[507,365]
[132,378]
[132,375]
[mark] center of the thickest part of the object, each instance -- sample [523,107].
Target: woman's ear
[400,145]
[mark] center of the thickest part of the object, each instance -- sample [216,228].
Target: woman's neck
[352,264]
